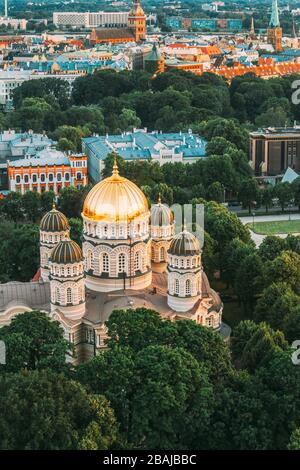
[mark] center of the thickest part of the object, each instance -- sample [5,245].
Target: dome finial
[115,167]
[53,206]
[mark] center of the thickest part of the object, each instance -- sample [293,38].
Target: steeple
[252,31]
[274,22]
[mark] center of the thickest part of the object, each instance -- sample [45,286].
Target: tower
[252,30]
[162,231]
[137,21]
[154,61]
[67,285]
[117,245]
[184,272]
[54,227]
[274,33]
[5,8]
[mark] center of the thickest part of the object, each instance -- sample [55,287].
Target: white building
[14,22]
[11,79]
[103,19]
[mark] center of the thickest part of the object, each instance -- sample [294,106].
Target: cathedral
[130,258]
[134,32]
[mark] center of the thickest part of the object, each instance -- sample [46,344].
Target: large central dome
[115,199]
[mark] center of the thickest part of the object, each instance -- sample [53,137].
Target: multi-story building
[11,79]
[273,150]
[103,19]
[49,170]
[15,145]
[141,145]
[14,22]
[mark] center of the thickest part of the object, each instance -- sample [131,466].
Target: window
[121,263]
[51,177]
[69,295]
[58,176]
[89,259]
[188,287]
[105,230]
[162,254]
[67,176]
[26,178]
[79,177]
[34,178]
[18,179]
[105,263]
[43,177]
[176,288]
[137,261]
[57,294]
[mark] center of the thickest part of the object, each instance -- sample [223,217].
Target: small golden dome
[115,199]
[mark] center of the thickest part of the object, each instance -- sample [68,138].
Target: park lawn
[275,228]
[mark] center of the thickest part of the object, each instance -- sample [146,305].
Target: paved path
[258,239]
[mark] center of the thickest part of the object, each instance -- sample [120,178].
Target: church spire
[274,22]
[252,31]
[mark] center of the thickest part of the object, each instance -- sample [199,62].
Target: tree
[294,443]
[71,201]
[284,192]
[296,191]
[47,200]
[271,247]
[248,193]
[32,342]
[267,197]
[231,257]
[284,268]
[219,146]
[32,114]
[216,192]
[31,203]
[291,323]
[19,254]
[43,410]
[247,283]
[241,334]
[76,229]
[262,346]
[277,302]
[11,206]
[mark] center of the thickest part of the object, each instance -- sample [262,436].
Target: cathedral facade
[130,258]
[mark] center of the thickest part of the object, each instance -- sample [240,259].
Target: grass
[276,228]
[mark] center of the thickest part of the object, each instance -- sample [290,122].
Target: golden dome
[115,199]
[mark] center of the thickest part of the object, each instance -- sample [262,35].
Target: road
[258,239]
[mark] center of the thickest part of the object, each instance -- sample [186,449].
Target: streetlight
[253,215]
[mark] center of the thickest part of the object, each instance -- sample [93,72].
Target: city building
[17,24]
[135,31]
[80,288]
[49,170]
[274,150]
[274,33]
[102,19]
[15,145]
[154,61]
[11,79]
[142,145]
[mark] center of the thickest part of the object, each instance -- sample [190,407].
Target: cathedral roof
[184,244]
[161,215]
[115,199]
[66,252]
[54,221]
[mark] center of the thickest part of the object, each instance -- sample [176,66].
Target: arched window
[57,294]
[181,263]
[176,286]
[26,178]
[18,179]
[105,263]
[121,263]
[162,254]
[89,259]
[137,261]
[188,287]
[69,295]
